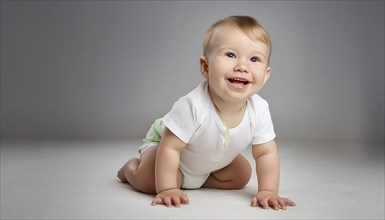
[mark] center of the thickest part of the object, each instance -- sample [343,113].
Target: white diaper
[190,181]
[146,146]
[193,181]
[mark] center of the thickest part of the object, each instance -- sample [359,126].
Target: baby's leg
[236,175]
[140,173]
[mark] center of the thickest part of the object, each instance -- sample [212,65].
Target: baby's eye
[230,54]
[254,59]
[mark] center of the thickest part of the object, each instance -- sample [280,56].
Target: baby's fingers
[176,201]
[170,201]
[254,201]
[264,203]
[275,205]
[167,201]
[156,201]
[282,203]
[288,202]
[184,200]
[162,200]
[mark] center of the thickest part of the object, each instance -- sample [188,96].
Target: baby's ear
[267,75]
[204,67]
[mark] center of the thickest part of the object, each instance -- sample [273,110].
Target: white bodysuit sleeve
[264,129]
[181,120]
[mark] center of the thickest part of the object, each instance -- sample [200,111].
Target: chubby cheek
[213,72]
[259,79]
[221,69]
[214,80]
[259,82]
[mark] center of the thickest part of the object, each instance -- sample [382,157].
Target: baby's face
[236,66]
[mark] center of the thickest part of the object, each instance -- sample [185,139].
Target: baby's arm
[268,171]
[166,171]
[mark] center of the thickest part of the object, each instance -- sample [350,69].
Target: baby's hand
[266,199]
[171,197]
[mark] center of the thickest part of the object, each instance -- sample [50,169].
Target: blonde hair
[248,25]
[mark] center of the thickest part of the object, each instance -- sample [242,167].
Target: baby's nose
[241,68]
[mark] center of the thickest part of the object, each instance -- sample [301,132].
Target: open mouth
[238,81]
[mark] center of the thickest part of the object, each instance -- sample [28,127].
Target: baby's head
[248,25]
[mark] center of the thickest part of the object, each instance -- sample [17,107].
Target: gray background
[82,81]
[109,68]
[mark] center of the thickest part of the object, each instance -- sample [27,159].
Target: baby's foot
[121,175]
[122,172]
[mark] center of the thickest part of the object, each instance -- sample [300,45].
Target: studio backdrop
[109,68]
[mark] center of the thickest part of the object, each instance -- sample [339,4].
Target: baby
[198,143]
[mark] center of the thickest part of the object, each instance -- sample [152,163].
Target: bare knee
[235,176]
[236,180]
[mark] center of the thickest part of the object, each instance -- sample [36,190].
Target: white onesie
[210,144]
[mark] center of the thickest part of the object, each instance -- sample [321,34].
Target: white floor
[75,179]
